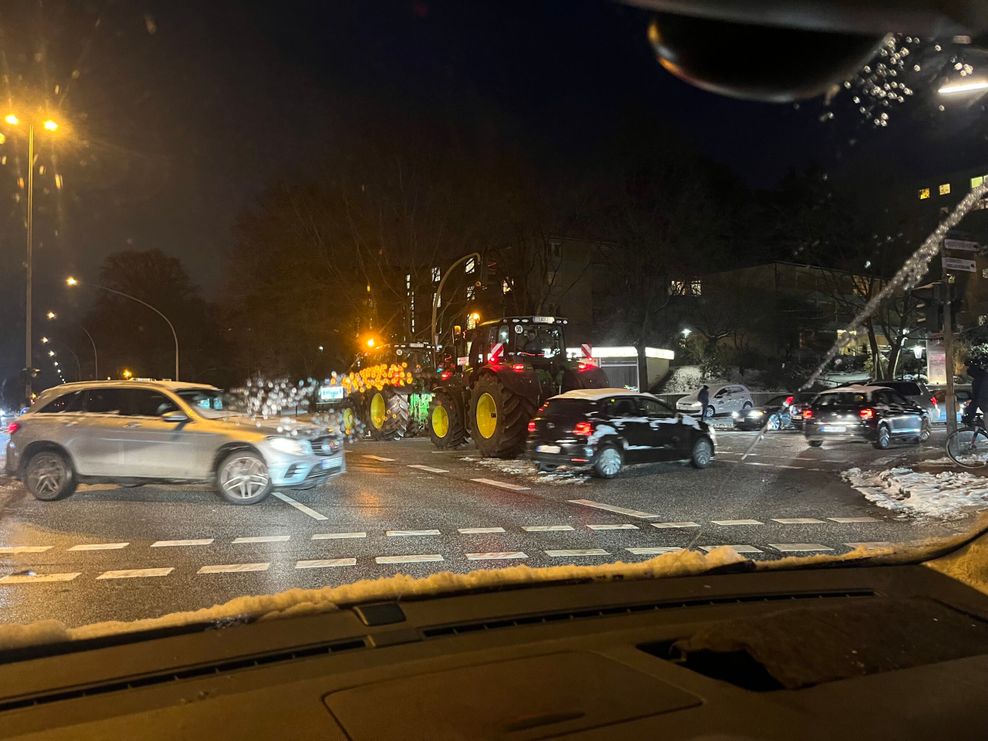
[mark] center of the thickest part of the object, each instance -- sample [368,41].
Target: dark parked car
[606,429]
[916,392]
[781,412]
[873,413]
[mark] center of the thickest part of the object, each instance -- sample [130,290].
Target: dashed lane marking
[136,573]
[335,536]
[496,556]
[99,547]
[870,545]
[653,550]
[38,578]
[177,543]
[325,563]
[732,523]
[622,526]
[480,530]
[546,528]
[613,508]
[229,568]
[263,539]
[380,458]
[665,525]
[419,558]
[501,484]
[409,533]
[576,552]
[737,548]
[430,469]
[850,520]
[797,521]
[12,549]
[300,507]
[799,547]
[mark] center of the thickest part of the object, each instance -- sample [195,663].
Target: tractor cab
[535,341]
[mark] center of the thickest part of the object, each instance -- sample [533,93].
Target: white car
[731,397]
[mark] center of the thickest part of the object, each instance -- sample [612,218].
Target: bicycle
[967,446]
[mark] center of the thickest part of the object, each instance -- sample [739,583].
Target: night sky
[179,113]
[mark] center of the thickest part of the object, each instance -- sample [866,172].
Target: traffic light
[929,308]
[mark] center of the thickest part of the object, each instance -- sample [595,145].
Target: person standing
[703,396]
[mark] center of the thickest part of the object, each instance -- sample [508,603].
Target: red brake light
[531,425]
[807,413]
[789,400]
[584,365]
[445,375]
[518,367]
[583,428]
[933,400]
[13,427]
[866,413]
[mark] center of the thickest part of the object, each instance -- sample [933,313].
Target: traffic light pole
[948,352]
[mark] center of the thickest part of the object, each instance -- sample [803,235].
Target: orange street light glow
[11,119]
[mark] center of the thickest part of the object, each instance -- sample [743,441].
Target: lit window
[471,292]
[505,286]
[436,275]
[975,182]
[677,288]
[408,281]
[944,189]
[695,288]
[924,193]
[471,265]
[982,319]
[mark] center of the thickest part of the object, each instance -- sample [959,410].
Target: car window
[623,407]
[148,403]
[721,393]
[841,398]
[898,398]
[882,396]
[655,408]
[106,401]
[65,403]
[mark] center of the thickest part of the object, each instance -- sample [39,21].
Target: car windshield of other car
[843,398]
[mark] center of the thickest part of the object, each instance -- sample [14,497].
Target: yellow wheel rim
[440,421]
[347,421]
[486,416]
[378,410]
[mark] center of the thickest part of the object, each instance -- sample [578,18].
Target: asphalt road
[403,507]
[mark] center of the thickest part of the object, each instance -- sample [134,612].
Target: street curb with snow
[948,495]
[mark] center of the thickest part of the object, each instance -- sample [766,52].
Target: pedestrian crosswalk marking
[380,458]
[653,550]
[731,523]
[175,543]
[14,549]
[429,469]
[799,547]
[850,520]
[409,533]
[99,546]
[263,539]
[797,521]
[496,556]
[334,536]
[299,506]
[546,528]
[501,484]
[229,568]
[664,525]
[325,563]
[735,548]
[576,552]
[613,508]
[136,573]
[420,558]
[38,578]
[622,526]
[480,530]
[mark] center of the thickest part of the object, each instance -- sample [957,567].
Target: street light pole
[171,326]
[28,365]
[95,356]
[438,294]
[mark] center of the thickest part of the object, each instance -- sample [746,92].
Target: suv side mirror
[176,417]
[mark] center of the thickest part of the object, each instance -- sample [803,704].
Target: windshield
[486,285]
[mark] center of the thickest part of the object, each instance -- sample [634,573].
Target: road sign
[957,263]
[961,244]
[936,363]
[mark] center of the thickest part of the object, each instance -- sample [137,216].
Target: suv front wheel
[243,478]
[49,476]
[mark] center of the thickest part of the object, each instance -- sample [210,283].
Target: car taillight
[788,402]
[13,427]
[518,367]
[531,425]
[583,428]
[584,365]
[933,400]
[445,374]
[807,414]
[866,413]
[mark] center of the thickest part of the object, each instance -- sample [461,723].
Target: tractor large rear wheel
[387,414]
[499,418]
[447,426]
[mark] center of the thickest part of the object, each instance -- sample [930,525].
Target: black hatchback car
[874,413]
[606,429]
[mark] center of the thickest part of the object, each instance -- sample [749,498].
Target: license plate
[548,449]
[833,428]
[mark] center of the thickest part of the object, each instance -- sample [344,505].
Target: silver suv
[134,432]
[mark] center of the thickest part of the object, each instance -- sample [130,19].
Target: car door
[626,418]
[156,448]
[720,400]
[665,431]
[908,414]
[96,445]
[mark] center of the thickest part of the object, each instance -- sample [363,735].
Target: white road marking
[228,568]
[99,547]
[496,556]
[664,525]
[653,550]
[797,520]
[799,547]
[430,469]
[613,508]
[334,536]
[735,548]
[173,543]
[409,533]
[325,563]
[731,523]
[379,458]
[135,573]
[421,558]
[573,552]
[38,578]
[501,484]
[480,530]
[9,549]
[263,539]
[849,520]
[622,526]
[546,528]
[870,545]
[300,507]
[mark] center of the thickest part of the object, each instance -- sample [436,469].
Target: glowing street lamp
[70,281]
[51,315]
[127,375]
[44,340]
[51,353]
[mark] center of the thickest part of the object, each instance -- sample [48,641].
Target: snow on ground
[948,495]
[527,469]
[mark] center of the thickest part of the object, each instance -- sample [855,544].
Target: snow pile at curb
[529,470]
[947,495]
[294,602]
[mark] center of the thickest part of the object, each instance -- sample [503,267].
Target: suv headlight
[288,445]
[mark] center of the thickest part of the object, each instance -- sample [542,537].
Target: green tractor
[495,377]
[390,389]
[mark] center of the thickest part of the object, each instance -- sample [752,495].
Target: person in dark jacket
[703,396]
[979,392]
